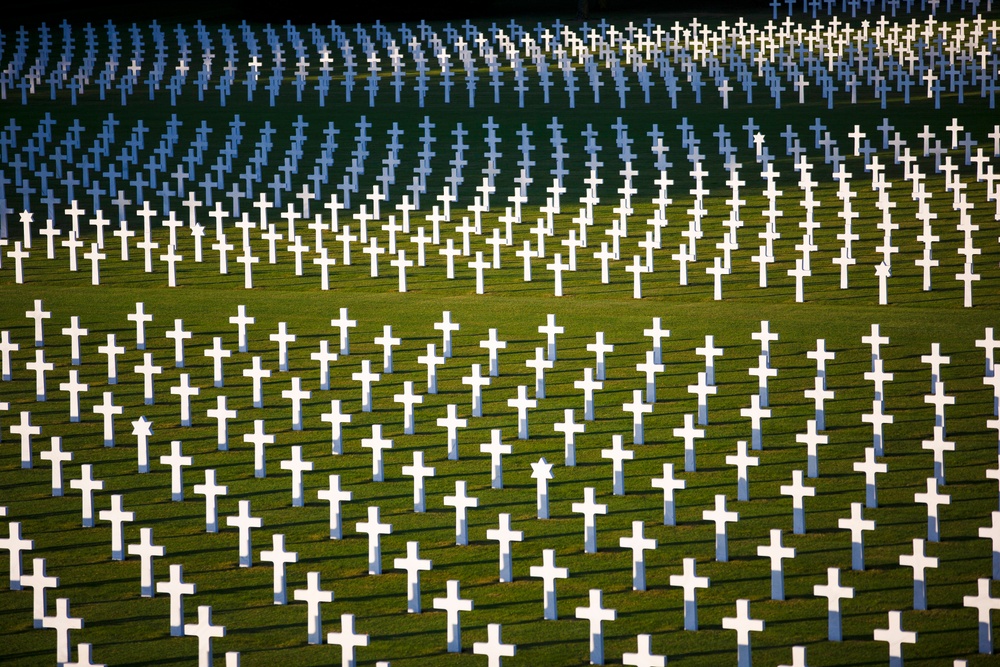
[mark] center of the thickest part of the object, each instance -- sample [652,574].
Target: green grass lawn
[126,629]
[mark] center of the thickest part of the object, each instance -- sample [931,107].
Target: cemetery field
[880,335]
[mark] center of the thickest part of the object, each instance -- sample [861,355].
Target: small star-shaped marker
[541,470]
[142,427]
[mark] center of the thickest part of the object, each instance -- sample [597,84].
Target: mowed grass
[126,629]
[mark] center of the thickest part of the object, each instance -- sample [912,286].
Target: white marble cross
[336,419]
[505,536]
[756,414]
[742,460]
[56,457]
[496,449]
[38,582]
[600,349]
[720,516]
[348,640]
[992,533]
[522,404]
[222,414]
[798,491]
[932,498]
[690,583]
[494,649]
[377,443]
[548,573]
[857,525]
[418,471]
[176,588]
[589,385]
[15,545]
[618,455]
[541,472]
[895,637]
[589,508]
[452,423]
[638,410]
[919,561]
[644,656]
[62,623]
[313,595]
[108,410]
[569,429]
[296,395]
[870,467]
[596,615]
[176,461]
[984,603]
[453,604]
[244,522]
[414,565]
[461,502]
[834,592]
[638,544]
[375,529]
[366,378]
[25,429]
[146,551]
[447,328]
[743,624]
[689,432]
[118,517]
[297,466]
[279,558]
[87,485]
[205,632]
[776,552]
[335,496]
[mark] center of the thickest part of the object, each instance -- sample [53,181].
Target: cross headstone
[118,517]
[38,582]
[541,472]
[690,583]
[494,649]
[453,604]
[62,623]
[644,656]
[375,529]
[313,595]
[548,573]
[279,558]
[919,561]
[895,637]
[15,545]
[505,536]
[596,614]
[461,502]
[205,632]
[743,625]
[87,485]
[857,525]
[244,522]
[589,508]
[176,588]
[776,552]
[414,565]
[146,551]
[638,544]
[335,496]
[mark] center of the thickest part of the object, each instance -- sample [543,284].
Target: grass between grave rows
[128,630]
[106,593]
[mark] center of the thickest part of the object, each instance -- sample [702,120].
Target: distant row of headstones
[545,358]
[639,57]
